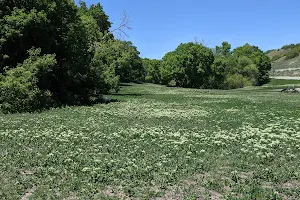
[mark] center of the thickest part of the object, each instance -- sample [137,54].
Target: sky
[159,26]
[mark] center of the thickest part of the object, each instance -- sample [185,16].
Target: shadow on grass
[125,84]
[132,94]
[105,100]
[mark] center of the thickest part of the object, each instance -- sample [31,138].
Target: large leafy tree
[252,57]
[124,58]
[189,65]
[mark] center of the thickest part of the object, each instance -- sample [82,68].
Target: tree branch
[124,25]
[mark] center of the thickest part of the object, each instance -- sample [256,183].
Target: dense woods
[55,53]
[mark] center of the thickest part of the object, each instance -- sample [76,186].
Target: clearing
[157,143]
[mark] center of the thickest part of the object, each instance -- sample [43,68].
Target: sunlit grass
[284,82]
[157,142]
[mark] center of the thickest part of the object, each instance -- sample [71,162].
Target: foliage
[152,69]
[96,22]
[290,46]
[269,51]
[189,65]
[103,73]
[124,58]
[247,63]
[92,29]
[88,59]
[24,88]
[195,66]
[288,51]
[276,57]
[259,60]
[223,51]
[56,28]
[234,81]
[97,13]
[293,53]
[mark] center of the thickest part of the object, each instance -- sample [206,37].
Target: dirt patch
[192,184]
[113,192]
[215,195]
[28,193]
[267,185]
[245,175]
[26,172]
[71,197]
[116,192]
[291,185]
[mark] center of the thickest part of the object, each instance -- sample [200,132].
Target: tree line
[196,66]
[55,53]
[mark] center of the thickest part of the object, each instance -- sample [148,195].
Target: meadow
[157,143]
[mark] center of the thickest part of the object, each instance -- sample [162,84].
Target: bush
[23,88]
[293,53]
[236,81]
[102,74]
[149,79]
[172,83]
[276,57]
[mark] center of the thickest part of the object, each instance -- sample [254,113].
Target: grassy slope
[284,63]
[157,141]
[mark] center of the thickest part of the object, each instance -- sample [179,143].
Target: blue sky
[159,26]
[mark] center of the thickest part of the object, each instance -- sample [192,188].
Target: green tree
[96,11]
[223,65]
[96,21]
[258,58]
[189,65]
[223,51]
[152,68]
[124,58]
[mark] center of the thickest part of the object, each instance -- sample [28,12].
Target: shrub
[23,89]
[293,53]
[149,79]
[172,83]
[236,81]
[276,57]
[102,74]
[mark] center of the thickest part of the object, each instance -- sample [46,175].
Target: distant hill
[285,61]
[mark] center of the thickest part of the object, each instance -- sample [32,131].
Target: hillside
[285,61]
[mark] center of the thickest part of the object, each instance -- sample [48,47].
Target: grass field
[157,143]
[283,83]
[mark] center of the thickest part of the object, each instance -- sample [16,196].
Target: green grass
[171,143]
[281,82]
